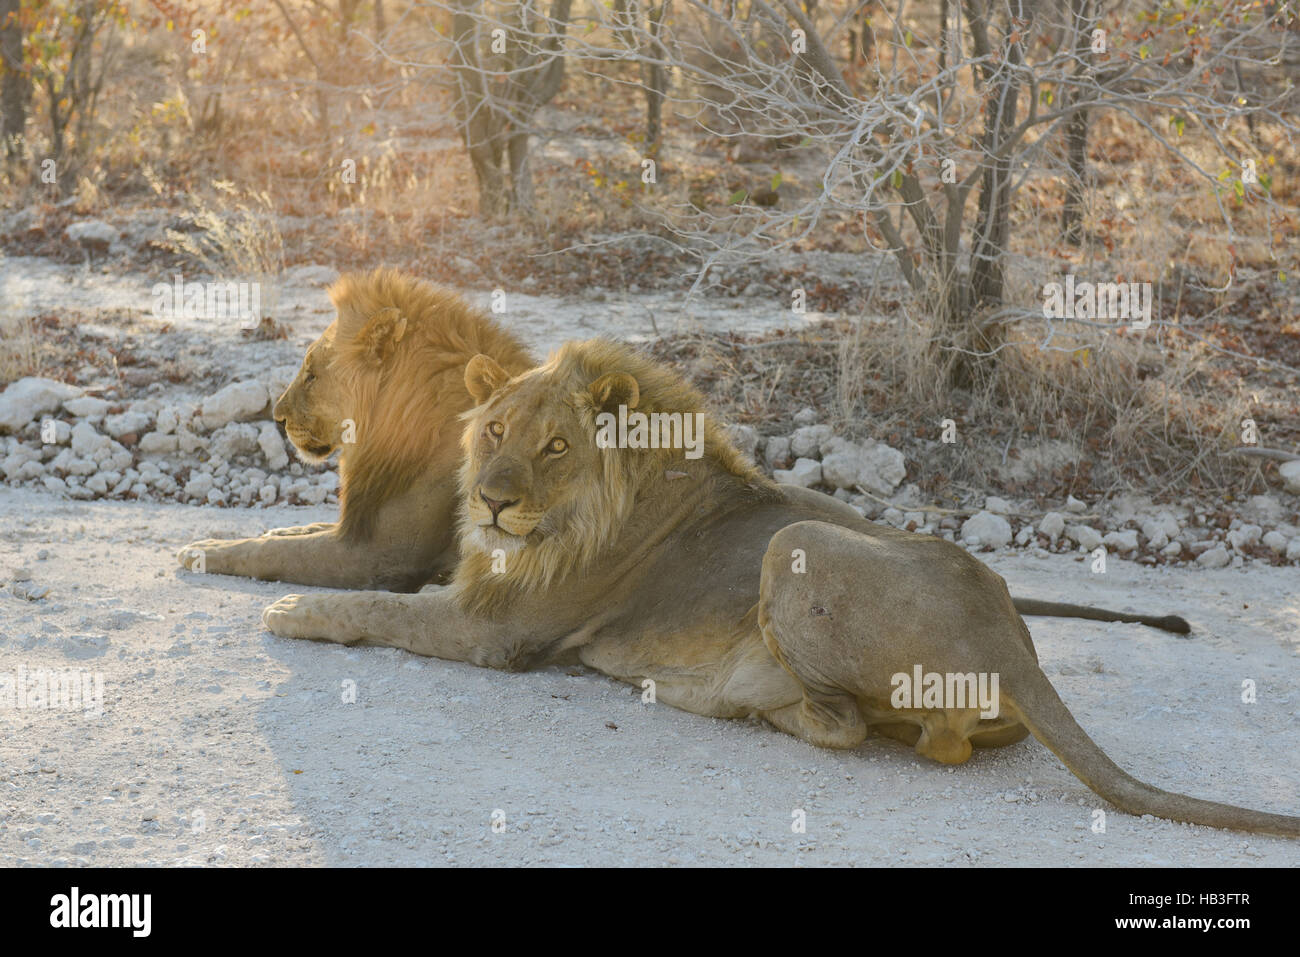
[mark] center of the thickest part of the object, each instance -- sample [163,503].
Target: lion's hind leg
[858,619]
[827,715]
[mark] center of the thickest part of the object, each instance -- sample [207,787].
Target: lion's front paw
[194,556]
[297,616]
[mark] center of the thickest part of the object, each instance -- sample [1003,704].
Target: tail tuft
[1177,625]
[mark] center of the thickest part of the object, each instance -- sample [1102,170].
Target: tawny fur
[393,364]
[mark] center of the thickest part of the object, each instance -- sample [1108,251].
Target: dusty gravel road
[221,744]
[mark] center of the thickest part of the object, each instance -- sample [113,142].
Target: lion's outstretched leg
[430,623]
[311,529]
[321,556]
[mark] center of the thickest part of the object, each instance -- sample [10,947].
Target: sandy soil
[220,744]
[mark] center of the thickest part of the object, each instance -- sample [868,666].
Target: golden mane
[401,405]
[627,479]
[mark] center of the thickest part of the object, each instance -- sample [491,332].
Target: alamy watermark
[946,690]
[41,689]
[180,299]
[656,430]
[1099,300]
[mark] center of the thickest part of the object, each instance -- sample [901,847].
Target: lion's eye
[557,446]
[309,379]
[496,429]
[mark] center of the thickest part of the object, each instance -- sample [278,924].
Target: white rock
[189,442]
[777,450]
[1293,550]
[62,431]
[92,232]
[312,496]
[1122,541]
[805,416]
[28,399]
[1052,525]
[267,493]
[804,473]
[234,438]
[744,437]
[55,484]
[987,529]
[1290,472]
[239,400]
[806,442]
[168,418]
[1085,536]
[1163,526]
[1263,508]
[998,506]
[1025,535]
[87,407]
[1276,542]
[1216,557]
[97,483]
[216,497]
[329,481]
[124,422]
[1172,550]
[155,443]
[199,485]
[15,460]
[1244,536]
[86,441]
[1072,504]
[875,466]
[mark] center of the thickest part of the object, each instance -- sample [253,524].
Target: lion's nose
[495,505]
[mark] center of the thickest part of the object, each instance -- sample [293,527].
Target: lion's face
[530,451]
[311,408]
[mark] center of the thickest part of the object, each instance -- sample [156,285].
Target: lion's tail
[1057,609]
[1041,710]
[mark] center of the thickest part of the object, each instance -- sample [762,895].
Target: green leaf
[898,179]
[1144,51]
[738,196]
[1239,188]
[1177,123]
[776,182]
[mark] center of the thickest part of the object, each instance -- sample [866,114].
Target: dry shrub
[17,348]
[1142,414]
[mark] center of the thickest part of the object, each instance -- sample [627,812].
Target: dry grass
[17,348]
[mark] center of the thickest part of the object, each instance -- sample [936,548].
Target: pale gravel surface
[207,714]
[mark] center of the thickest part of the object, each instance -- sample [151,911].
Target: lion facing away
[734,595]
[384,384]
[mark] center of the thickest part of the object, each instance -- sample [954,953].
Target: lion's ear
[382,332]
[483,376]
[614,389]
